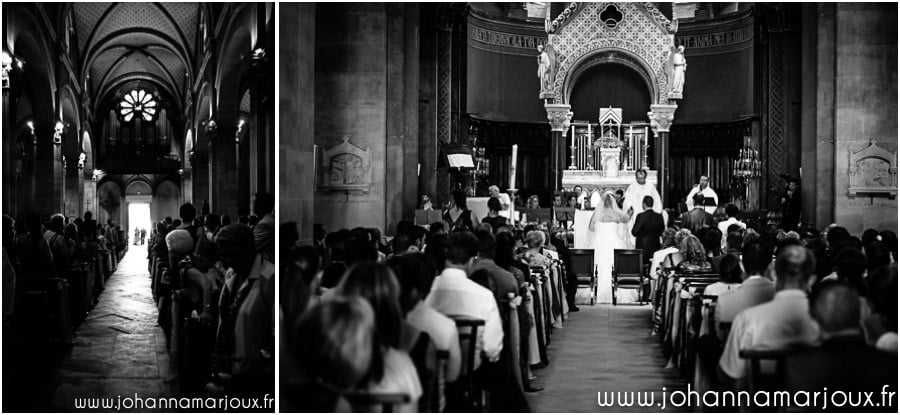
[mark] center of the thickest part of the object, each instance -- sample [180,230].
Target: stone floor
[603,349]
[119,350]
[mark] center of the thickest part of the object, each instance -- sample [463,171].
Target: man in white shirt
[580,196]
[454,294]
[731,211]
[780,323]
[756,289]
[704,189]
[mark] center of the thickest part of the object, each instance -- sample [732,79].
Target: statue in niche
[81,159]
[546,67]
[676,65]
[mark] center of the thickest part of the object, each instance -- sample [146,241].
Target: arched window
[138,103]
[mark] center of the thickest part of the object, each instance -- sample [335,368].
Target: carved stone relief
[873,171]
[347,168]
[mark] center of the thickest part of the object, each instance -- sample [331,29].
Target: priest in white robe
[634,198]
[704,189]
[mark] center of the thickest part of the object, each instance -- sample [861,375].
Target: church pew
[77,279]
[60,311]
[539,320]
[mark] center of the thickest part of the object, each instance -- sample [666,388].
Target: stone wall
[865,105]
[297,66]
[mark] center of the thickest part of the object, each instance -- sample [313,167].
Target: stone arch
[606,56]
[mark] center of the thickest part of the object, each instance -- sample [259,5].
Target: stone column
[89,191]
[73,187]
[58,174]
[95,180]
[661,117]
[200,189]
[187,187]
[212,163]
[559,116]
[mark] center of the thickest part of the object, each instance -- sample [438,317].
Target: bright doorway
[138,218]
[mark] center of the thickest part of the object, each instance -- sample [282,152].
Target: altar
[605,156]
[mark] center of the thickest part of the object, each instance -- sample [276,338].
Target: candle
[512,166]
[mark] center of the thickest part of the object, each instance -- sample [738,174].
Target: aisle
[119,350]
[603,348]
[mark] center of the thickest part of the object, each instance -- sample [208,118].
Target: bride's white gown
[607,237]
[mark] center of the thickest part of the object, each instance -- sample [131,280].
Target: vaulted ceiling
[123,42]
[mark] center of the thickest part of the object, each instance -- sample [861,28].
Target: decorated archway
[635,35]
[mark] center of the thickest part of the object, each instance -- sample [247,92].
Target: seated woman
[493,217]
[393,371]
[674,258]
[731,274]
[534,202]
[330,349]
[668,247]
[693,256]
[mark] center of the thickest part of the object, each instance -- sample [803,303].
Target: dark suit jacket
[695,219]
[500,281]
[648,227]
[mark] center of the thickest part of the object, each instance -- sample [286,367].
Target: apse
[610,85]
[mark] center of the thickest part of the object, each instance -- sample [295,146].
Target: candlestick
[512,166]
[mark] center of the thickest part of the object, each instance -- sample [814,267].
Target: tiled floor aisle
[603,348]
[119,349]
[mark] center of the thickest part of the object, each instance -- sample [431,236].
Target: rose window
[138,103]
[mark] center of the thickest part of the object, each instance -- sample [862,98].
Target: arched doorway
[138,198]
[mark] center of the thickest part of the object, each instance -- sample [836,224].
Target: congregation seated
[499,281]
[782,322]
[755,289]
[730,273]
[393,371]
[454,294]
[841,361]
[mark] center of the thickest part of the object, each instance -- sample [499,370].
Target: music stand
[709,201]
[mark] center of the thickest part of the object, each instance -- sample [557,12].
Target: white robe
[707,192]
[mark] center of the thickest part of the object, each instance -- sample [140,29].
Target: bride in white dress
[609,228]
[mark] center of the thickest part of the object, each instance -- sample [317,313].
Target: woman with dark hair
[712,242]
[331,349]
[206,246]
[731,274]
[493,217]
[397,373]
[436,248]
[459,215]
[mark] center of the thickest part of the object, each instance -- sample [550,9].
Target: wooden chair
[362,401]
[471,350]
[584,268]
[759,381]
[628,272]
[439,396]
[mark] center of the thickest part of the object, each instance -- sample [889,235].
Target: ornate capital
[661,117]
[559,116]
[98,174]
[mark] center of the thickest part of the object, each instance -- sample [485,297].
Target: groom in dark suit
[648,227]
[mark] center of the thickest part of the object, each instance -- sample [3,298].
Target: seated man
[500,281]
[780,323]
[756,289]
[454,294]
[843,362]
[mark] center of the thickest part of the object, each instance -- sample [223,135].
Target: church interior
[627,196]
[125,126]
